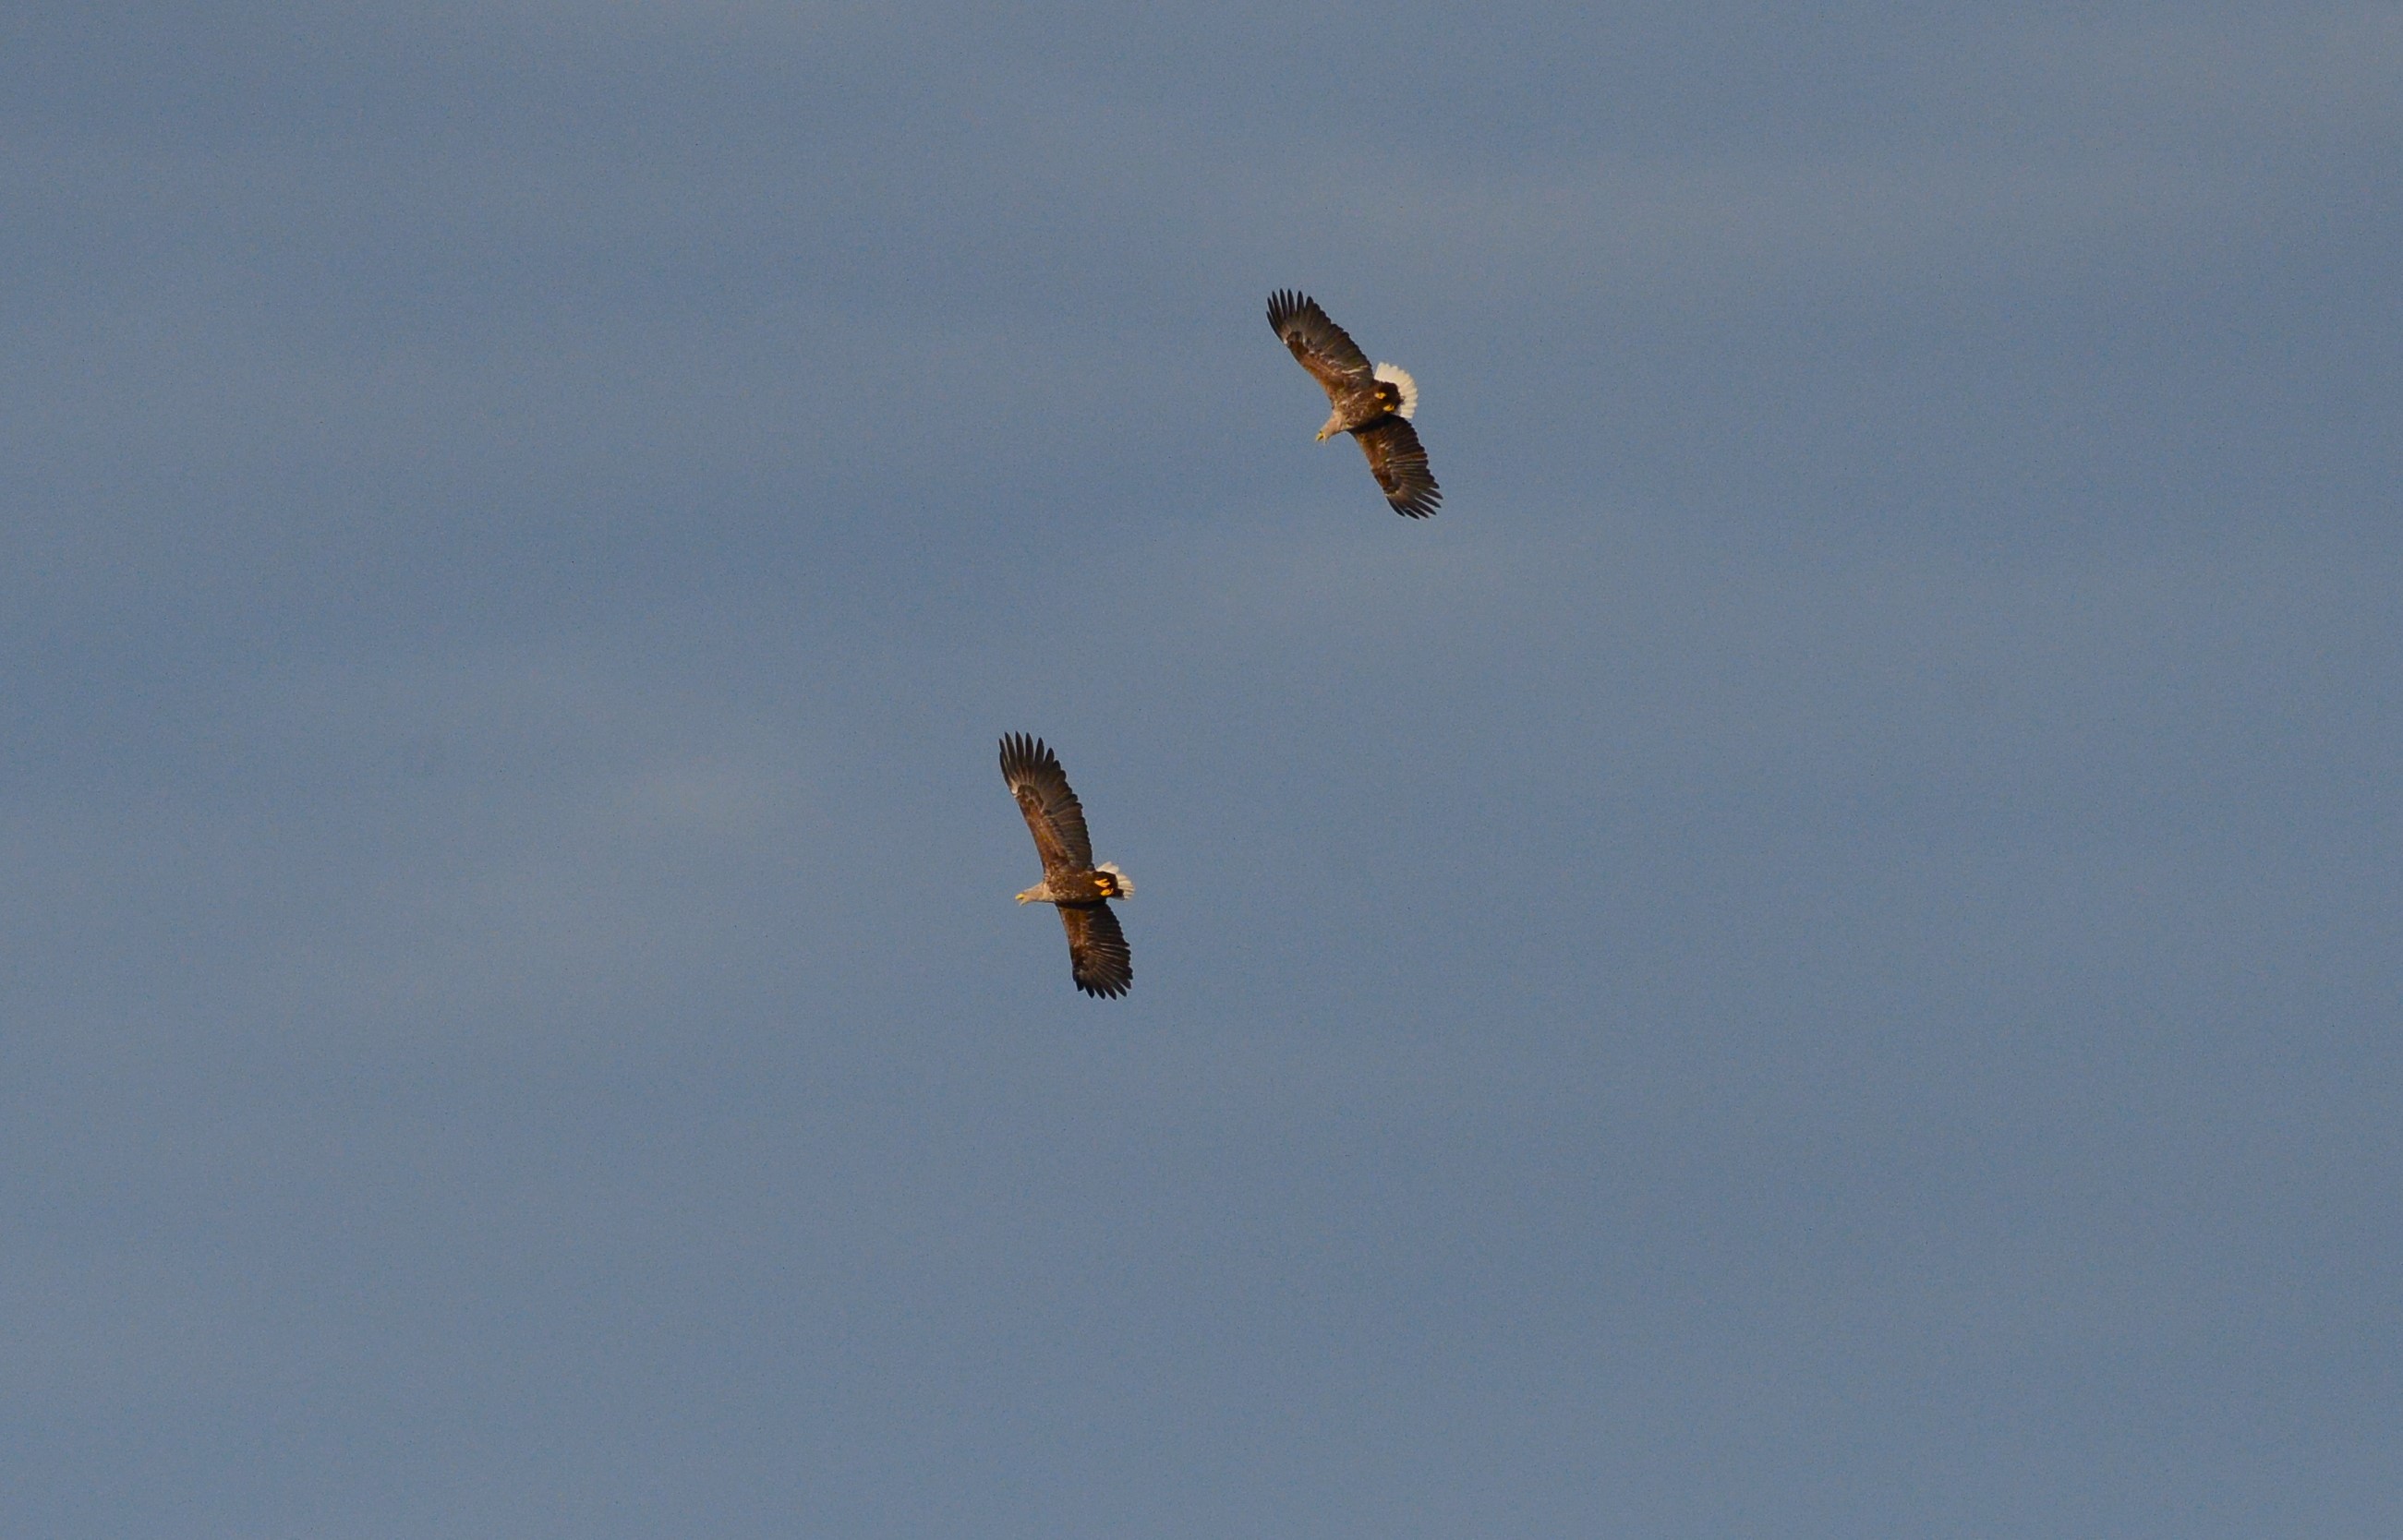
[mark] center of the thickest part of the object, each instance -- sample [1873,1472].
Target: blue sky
[1817,955]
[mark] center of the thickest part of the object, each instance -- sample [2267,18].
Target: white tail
[1397,375]
[1126,887]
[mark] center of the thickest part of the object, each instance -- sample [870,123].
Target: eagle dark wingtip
[1022,755]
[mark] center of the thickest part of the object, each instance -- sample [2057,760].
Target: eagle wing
[1321,346]
[1097,950]
[1053,814]
[1398,462]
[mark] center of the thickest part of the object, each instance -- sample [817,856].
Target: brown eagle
[1097,949]
[1374,404]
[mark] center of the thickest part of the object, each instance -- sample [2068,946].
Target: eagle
[1374,404]
[1097,949]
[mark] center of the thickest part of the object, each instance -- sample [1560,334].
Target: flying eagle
[1374,405]
[1097,949]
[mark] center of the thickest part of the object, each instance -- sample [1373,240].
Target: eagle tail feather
[1394,374]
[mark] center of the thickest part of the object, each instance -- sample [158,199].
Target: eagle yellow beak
[1322,435]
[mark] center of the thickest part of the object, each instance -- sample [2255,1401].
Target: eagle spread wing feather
[1097,950]
[1053,814]
[1399,463]
[1321,346]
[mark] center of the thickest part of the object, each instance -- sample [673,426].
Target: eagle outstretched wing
[1398,462]
[1097,950]
[1321,346]
[1053,814]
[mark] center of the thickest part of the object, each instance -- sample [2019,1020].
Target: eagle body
[1355,410]
[1374,403]
[1098,957]
[1079,887]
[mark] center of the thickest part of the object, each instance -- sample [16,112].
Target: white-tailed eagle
[1373,403]
[1097,949]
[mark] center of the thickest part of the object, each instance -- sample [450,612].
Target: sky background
[1821,954]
